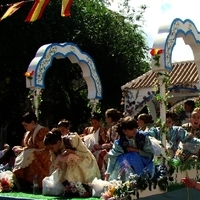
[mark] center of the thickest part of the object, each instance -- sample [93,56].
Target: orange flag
[13,8]
[37,10]
[66,5]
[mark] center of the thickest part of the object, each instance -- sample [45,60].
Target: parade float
[137,94]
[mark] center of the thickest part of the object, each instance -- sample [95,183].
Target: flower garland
[166,81]
[164,168]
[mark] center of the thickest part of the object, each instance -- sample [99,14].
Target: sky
[160,12]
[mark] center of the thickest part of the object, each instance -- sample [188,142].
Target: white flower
[81,193]
[74,190]
[83,190]
[78,184]
[73,184]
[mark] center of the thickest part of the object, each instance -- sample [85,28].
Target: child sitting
[132,149]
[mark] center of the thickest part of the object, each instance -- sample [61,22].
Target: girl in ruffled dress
[31,153]
[69,153]
[132,151]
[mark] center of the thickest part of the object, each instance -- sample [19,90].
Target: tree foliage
[117,47]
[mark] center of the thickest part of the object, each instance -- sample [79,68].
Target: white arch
[43,60]
[166,39]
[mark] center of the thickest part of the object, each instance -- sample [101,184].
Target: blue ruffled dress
[122,163]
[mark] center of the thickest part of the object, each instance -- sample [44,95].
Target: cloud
[165,7]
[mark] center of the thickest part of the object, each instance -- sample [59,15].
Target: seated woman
[132,150]
[71,155]
[32,157]
[96,125]
[94,138]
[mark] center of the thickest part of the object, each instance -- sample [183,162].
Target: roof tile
[182,72]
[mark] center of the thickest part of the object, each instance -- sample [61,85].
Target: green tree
[117,47]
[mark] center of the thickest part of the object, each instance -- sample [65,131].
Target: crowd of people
[101,152]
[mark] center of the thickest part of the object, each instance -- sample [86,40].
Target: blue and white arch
[166,40]
[46,54]
[43,60]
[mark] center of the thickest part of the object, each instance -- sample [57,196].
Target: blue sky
[165,11]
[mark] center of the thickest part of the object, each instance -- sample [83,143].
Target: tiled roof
[182,73]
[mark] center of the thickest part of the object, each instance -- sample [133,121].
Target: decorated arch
[166,40]
[36,72]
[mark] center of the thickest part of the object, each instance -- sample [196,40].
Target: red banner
[37,10]
[66,5]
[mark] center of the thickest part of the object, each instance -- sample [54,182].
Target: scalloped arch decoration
[43,60]
[166,39]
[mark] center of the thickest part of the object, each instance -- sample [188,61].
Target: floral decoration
[119,190]
[29,75]
[155,53]
[76,189]
[6,185]
[124,191]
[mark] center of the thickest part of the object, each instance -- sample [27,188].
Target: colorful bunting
[37,10]
[66,5]
[13,8]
